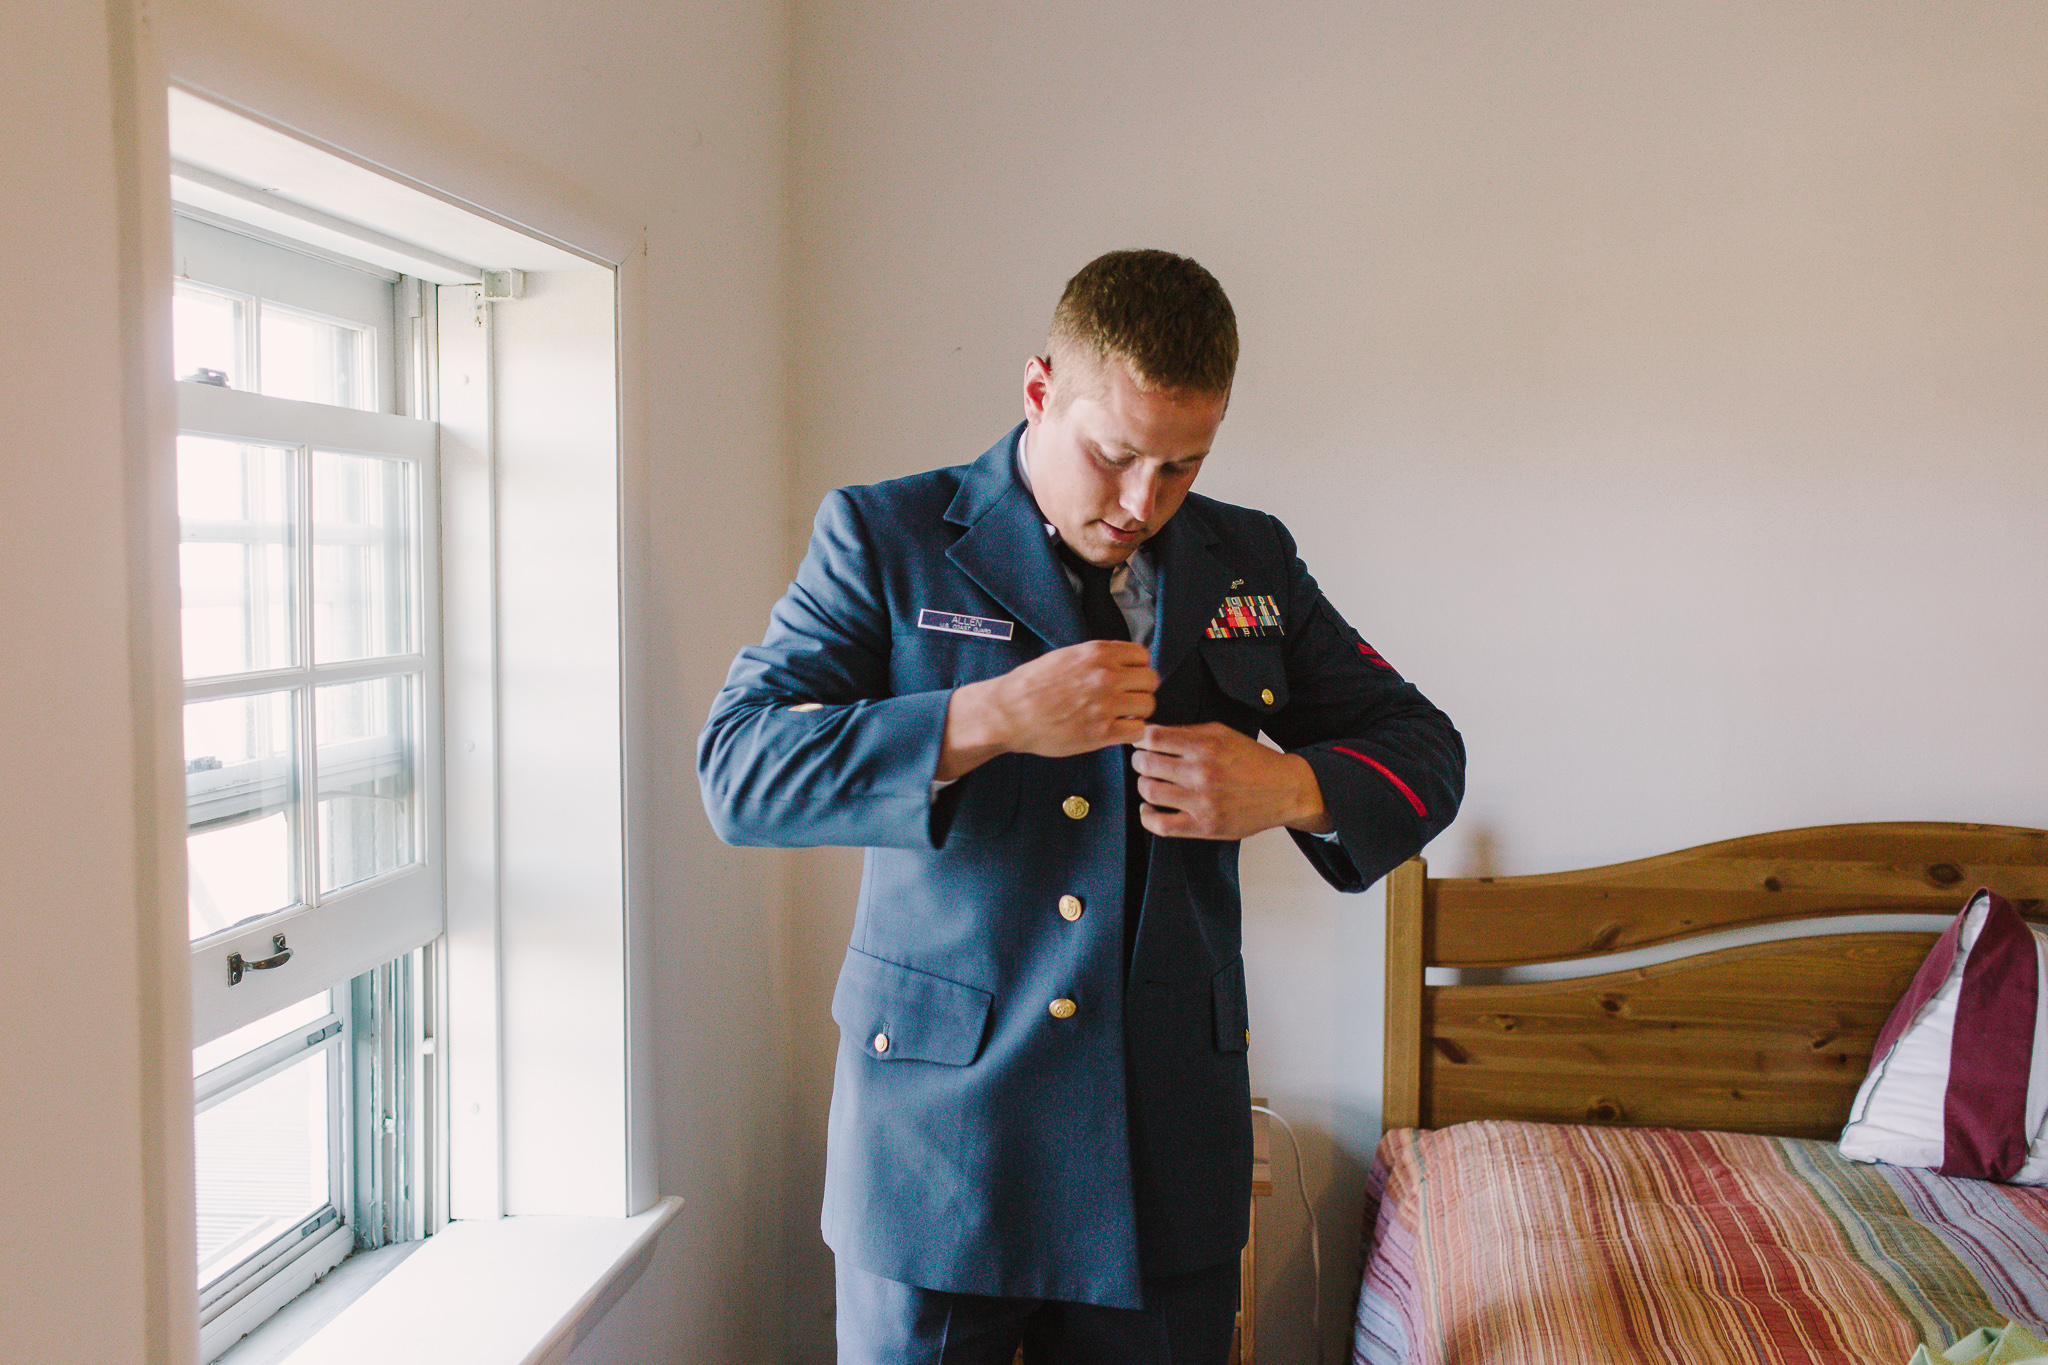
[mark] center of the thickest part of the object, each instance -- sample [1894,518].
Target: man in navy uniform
[1030,688]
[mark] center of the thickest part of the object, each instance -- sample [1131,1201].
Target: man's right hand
[1070,701]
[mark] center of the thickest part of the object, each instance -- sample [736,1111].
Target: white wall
[1660,387]
[653,131]
[95,1037]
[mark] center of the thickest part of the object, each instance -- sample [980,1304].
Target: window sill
[514,1291]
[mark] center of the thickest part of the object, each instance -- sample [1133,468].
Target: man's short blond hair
[1163,316]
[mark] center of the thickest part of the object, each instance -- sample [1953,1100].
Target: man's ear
[1037,387]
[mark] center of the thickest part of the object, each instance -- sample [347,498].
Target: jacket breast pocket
[1233,1014]
[896,1013]
[1251,672]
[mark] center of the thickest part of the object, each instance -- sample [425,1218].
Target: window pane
[240,777]
[364,733]
[268,1029]
[262,1164]
[314,360]
[362,557]
[235,556]
[207,331]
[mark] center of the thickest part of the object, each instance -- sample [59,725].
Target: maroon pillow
[1950,1076]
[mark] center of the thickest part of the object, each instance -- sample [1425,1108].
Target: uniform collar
[1006,550]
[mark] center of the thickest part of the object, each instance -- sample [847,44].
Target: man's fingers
[1080,698]
[1185,740]
[1137,679]
[1159,739]
[1171,824]
[1114,653]
[1116,678]
[1121,706]
[1123,731]
[1153,763]
[1166,794]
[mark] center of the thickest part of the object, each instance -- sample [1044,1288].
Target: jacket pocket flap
[1249,672]
[900,1014]
[1233,1016]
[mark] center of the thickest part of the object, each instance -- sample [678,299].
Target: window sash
[360,340]
[340,933]
[327,1034]
[242,374]
[244,1293]
[234,415]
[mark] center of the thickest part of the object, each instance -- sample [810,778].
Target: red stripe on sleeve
[1373,656]
[1384,771]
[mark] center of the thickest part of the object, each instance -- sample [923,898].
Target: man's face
[1111,462]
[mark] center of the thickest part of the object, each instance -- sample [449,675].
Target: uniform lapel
[1193,577]
[1005,548]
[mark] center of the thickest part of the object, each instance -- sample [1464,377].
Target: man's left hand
[1210,782]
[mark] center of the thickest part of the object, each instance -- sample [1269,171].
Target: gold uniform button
[808,706]
[1076,807]
[1266,695]
[1062,1008]
[881,1042]
[1070,908]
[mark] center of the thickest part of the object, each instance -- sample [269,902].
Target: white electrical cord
[1315,1235]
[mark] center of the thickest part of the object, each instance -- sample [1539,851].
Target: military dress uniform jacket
[985,1137]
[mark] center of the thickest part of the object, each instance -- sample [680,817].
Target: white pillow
[1958,1082]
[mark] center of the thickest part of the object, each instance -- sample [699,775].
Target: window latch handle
[237,964]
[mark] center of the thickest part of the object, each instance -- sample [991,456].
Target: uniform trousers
[1187,1320]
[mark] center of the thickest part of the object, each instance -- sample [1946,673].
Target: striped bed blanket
[1532,1244]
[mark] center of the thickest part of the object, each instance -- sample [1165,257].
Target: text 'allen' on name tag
[953,623]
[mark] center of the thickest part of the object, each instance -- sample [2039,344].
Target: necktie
[1099,610]
[1105,621]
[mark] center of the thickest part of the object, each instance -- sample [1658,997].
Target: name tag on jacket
[953,623]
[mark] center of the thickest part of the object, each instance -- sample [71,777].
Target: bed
[1638,1165]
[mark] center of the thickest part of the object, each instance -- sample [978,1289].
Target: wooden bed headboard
[1763,1038]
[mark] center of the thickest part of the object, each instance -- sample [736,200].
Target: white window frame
[337,934]
[246,357]
[267,273]
[546,925]
[333,935]
[365,339]
[254,1288]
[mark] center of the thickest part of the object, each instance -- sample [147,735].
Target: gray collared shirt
[1134,584]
